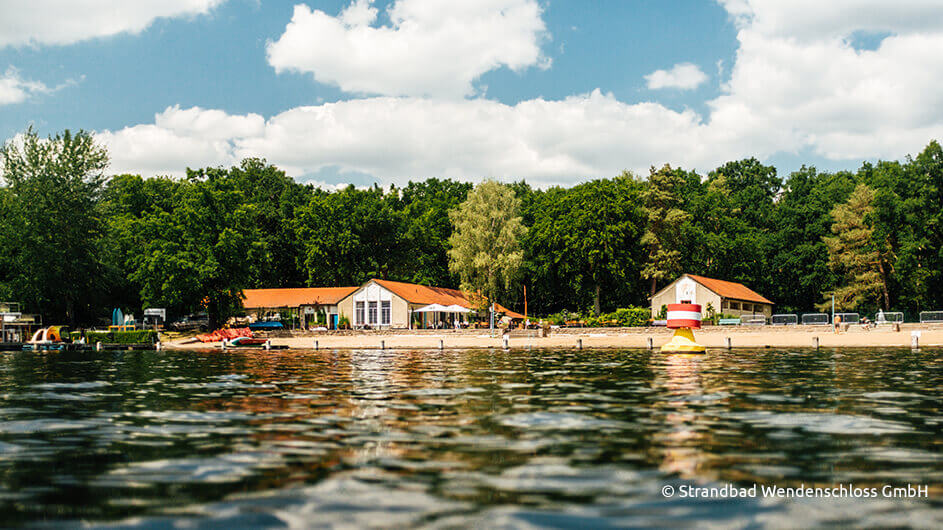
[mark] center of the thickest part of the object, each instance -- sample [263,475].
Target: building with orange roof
[389,304]
[303,302]
[375,304]
[725,297]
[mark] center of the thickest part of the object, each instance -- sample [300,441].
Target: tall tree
[198,252]
[585,240]
[52,222]
[663,200]
[274,197]
[486,240]
[350,236]
[798,261]
[425,217]
[853,251]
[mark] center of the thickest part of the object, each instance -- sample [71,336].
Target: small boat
[246,341]
[265,325]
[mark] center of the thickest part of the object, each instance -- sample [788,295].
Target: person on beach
[838,324]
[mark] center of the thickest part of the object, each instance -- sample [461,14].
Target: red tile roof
[512,314]
[294,297]
[425,295]
[734,290]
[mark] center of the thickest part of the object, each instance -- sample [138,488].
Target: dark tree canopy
[74,243]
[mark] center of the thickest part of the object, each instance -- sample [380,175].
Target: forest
[76,241]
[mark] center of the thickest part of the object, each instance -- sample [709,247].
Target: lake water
[540,438]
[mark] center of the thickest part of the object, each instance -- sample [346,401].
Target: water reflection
[458,438]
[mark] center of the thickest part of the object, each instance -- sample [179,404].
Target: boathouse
[310,305]
[725,297]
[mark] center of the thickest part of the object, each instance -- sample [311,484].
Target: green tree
[425,210]
[274,197]
[52,223]
[853,252]
[350,236]
[584,242]
[126,200]
[798,261]
[486,240]
[663,200]
[729,235]
[197,251]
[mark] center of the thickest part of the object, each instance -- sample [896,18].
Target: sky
[550,91]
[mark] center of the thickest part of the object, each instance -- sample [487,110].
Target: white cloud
[789,90]
[432,47]
[397,139]
[797,83]
[64,22]
[209,124]
[14,89]
[814,19]
[684,76]
[179,139]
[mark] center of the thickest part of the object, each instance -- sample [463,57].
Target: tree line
[75,242]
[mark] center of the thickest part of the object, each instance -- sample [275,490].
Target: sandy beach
[712,337]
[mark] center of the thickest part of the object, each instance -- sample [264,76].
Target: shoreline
[714,337]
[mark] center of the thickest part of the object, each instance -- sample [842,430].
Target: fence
[753,320]
[890,317]
[931,317]
[815,319]
[848,318]
[784,320]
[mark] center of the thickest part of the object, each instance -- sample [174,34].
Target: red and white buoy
[683,318]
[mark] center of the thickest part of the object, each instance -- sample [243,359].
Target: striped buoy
[684,316]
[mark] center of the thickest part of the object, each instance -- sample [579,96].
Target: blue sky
[561,91]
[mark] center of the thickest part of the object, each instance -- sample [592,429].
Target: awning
[432,308]
[455,308]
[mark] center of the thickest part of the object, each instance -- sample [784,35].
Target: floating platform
[70,346]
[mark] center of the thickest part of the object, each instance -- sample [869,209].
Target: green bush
[143,336]
[622,317]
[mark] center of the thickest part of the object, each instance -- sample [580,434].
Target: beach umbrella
[455,308]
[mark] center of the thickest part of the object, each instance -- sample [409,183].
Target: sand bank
[712,337]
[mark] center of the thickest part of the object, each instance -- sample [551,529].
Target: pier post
[268,344]
[441,344]
[157,345]
[315,345]
[728,342]
[579,344]
[98,346]
[506,342]
[651,343]
[224,345]
[915,340]
[382,344]
[815,342]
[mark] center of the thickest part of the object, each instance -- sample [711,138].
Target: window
[734,305]
[372,312]
[747,307]
[358,316]
[385,313]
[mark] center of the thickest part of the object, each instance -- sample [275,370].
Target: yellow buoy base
[682,342]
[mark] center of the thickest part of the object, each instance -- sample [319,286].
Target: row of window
[366,313]
[743,306]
